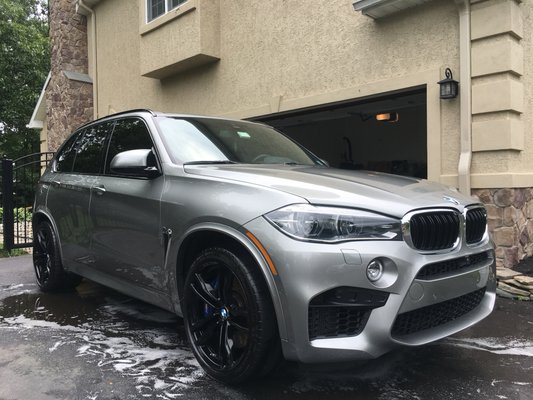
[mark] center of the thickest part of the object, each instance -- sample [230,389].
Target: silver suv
[262,248]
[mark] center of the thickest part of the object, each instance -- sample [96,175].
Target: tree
[24,64]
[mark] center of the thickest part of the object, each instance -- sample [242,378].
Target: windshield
[205,140]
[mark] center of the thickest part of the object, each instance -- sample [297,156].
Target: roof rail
[118,114]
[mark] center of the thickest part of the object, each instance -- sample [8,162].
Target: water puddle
[135,339]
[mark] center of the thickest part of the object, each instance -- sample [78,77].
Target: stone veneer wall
[69,102]
[510,220]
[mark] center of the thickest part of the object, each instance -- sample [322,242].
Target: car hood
[388,194]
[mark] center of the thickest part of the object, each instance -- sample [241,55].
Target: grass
[13,253]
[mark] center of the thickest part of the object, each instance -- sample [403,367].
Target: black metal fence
[19,182]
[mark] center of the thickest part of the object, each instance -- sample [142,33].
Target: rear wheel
[229,317]
[47,261]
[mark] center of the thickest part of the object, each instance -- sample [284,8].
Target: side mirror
[140,162]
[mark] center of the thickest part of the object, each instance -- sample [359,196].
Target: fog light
[374,270]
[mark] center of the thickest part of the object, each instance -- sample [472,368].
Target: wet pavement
[97,344]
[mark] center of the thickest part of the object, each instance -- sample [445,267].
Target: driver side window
[129,134]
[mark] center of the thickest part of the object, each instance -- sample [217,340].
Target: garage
[386,132]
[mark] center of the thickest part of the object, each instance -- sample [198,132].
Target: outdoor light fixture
[388,117]
[449,88]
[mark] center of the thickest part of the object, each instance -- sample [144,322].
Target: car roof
[140,111]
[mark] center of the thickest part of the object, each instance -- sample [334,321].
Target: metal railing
[19,182]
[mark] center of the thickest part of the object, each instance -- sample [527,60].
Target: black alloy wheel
[47,261]
[229,316]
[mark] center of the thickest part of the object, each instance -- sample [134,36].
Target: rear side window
[90,149]
[129,134]
[67,154]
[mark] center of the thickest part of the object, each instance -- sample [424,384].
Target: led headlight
[330,224]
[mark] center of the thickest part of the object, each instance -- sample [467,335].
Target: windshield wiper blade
[210,162]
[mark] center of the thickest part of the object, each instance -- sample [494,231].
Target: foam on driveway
[97,344]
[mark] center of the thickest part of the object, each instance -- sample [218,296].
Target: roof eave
[382,8]
[39,112]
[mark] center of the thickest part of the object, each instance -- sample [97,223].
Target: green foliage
[24,64]
[21,214]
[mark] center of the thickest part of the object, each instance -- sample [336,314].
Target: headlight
[330,224]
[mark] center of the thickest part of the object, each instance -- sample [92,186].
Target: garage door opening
[386,133]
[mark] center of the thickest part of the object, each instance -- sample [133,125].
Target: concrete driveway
[98,344]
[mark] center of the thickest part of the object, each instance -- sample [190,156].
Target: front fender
[240,237]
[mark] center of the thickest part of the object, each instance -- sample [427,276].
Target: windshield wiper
[209,162]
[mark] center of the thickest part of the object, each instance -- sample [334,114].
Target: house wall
[250,58]
[280,55]
[69,102]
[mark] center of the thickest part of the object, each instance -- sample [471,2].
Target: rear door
[77,168]
[125,214]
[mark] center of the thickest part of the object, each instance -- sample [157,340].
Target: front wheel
[47,261]
[229,317]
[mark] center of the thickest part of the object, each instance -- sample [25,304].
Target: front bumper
[306,270]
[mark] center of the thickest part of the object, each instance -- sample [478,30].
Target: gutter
[83,9]
[465,158]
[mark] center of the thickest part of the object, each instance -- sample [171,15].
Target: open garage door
[386,133]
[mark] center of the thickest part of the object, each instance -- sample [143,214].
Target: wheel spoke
[202,291]
[41,241]
[224,347]
[203,323]
[206,336]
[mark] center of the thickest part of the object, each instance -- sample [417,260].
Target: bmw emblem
[451,200]
[224,314]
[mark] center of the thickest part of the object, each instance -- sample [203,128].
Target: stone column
[69,96]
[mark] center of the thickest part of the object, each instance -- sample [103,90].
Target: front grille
[444,268]
[435,230]
[335,321]
[437,314]
[476,224]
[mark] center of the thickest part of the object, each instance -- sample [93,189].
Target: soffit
[383,8]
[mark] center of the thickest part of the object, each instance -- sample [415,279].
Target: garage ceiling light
[388,117]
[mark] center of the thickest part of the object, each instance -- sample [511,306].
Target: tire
[229,317]
[51,276]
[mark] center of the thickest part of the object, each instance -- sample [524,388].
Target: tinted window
[90,149]
[65,157]
[129,134]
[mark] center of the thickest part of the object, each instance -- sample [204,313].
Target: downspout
[87,10]
[465,96]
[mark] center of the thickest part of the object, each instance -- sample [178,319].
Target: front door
[125,214]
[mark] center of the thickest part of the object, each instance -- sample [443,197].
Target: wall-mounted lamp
[449,88]
[388,117]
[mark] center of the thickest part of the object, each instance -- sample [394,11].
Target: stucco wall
[523,161]
[287,54]
[291,51]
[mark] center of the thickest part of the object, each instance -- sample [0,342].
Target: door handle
[55,183]
[99,190]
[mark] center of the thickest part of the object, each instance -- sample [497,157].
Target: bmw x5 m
[262,248]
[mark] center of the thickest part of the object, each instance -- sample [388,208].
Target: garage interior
[386,133]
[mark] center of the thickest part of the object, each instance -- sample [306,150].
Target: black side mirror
[141,162]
